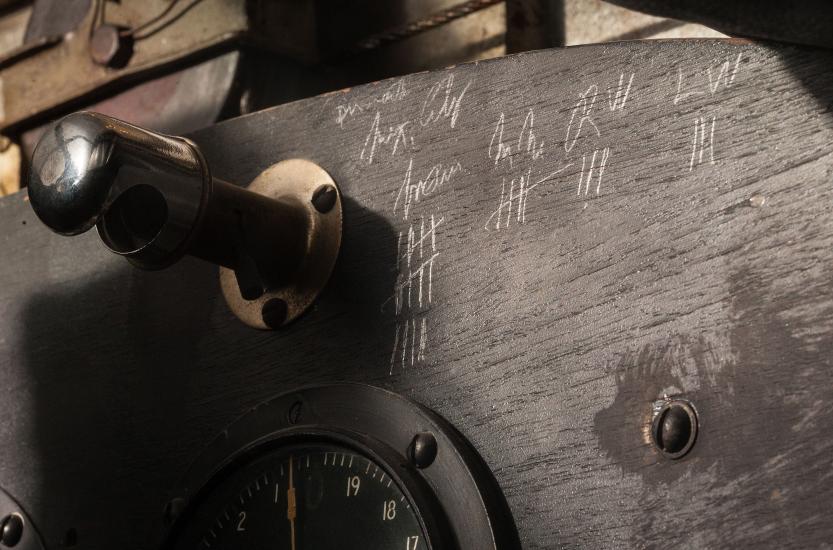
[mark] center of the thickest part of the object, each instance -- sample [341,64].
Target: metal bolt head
[172,510]
[70,538]
[423,450]
[108,47]
[11,530]
[294,413]
[274,313]
[324,198]
[674,429]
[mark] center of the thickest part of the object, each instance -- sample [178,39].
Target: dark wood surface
[696,262]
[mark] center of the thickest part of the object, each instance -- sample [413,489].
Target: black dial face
[303,497]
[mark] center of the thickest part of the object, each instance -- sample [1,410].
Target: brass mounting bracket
[306,185]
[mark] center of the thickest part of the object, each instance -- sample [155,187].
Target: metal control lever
[152,199]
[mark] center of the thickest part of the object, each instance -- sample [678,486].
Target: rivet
[109,47]
[423,450]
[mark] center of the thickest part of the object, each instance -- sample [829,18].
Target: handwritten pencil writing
[588,170]
[527,143]
[393,137]
[409,343]
[436,179]
[442,102]
[394,92]
[701,143]
[417,252]
[724,78]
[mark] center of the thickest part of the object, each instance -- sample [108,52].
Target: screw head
[423,450]
[293,416]
[674,429]
[11,530]
[172,510]
[324,198]
[109,48]
[274,313]
[70,538]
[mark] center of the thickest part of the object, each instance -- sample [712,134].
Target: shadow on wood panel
[137,371]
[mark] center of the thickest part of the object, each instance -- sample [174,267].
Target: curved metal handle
[145,191]
[152,199]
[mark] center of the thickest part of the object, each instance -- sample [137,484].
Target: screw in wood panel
[674,428]
[294,413]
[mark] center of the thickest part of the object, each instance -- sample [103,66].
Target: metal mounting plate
[293,180]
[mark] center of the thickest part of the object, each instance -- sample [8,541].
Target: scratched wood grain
[538,247]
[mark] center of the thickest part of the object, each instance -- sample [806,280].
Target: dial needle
[291,510]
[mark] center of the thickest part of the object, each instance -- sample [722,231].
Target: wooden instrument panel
[537,247]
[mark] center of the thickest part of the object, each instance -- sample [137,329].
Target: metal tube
[242,230]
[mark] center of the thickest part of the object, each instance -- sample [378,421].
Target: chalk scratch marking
[700,143]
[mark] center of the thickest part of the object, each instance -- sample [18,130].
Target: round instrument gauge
[344,467]
[308,495]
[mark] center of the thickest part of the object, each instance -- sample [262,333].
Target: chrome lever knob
[152,199]
[144,191]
